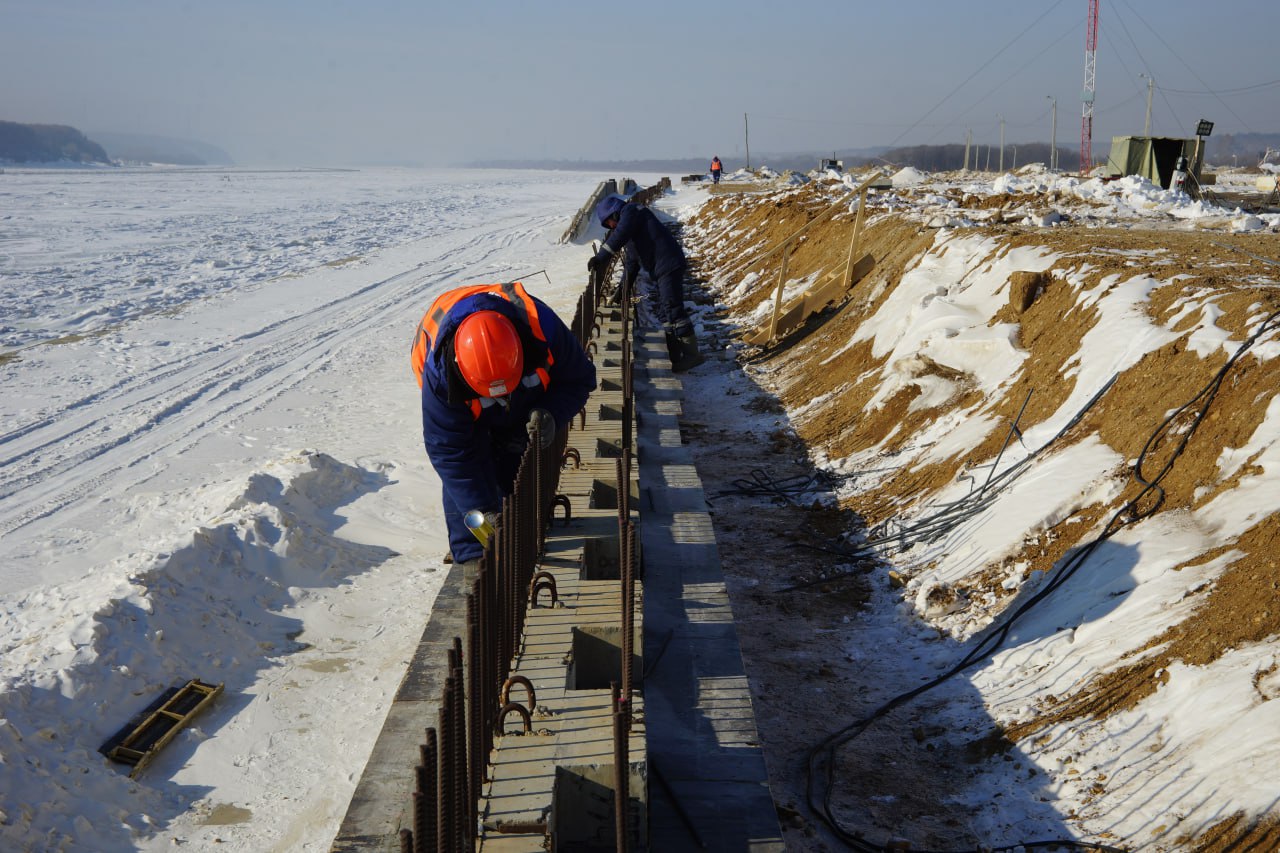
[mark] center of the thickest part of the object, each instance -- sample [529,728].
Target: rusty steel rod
[453,762]
[621,772]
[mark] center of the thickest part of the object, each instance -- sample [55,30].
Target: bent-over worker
[494,363]
[652,247]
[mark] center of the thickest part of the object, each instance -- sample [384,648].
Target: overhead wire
[1119,55]
[821,758]
[1185,64]
[1123,103]
[1145,65]
[1037,56]
[979,70]
[1239,90]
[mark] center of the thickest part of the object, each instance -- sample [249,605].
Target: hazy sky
[328,82]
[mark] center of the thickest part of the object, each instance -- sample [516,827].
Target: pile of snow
[1248,222]
[908,177]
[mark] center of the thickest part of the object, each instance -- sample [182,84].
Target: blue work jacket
[648,242]
[462,446]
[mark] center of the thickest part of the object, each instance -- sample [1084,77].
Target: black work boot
[683,351]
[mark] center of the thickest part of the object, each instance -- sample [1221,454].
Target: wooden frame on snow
[834,284]
[140,741]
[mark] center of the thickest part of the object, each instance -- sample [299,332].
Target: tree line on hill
[57,143]
[47,143]
[929,158]
[983,158]
[1242,149]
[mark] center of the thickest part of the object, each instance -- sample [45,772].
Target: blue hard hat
[609,207]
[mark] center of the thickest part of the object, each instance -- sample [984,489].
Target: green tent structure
[1155,158]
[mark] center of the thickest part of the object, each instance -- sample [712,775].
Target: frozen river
[211,467]
[83,250]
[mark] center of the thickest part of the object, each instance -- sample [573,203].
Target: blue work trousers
[669,304]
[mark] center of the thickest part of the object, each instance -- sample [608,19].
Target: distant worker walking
[653,248]
[716,169]
[495,366]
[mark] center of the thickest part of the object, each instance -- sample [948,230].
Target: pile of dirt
[793,599]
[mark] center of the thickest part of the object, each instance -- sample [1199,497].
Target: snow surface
[1198,750]
[212,468]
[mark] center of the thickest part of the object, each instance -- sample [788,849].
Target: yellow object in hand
[480,524]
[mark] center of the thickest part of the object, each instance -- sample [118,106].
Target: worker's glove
[593,263]
[544,423]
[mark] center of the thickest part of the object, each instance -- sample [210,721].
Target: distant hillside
[47,143]
[1240,149]
[140,148]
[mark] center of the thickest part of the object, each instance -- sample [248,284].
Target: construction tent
[1154,157]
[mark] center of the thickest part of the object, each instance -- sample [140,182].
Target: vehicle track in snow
[98,443]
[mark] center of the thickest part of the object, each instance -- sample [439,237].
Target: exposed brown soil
[792,623]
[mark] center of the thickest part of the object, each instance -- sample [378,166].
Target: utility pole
[1151,84]
[968,138]
[1001,144]
[1053,135]
[746,135]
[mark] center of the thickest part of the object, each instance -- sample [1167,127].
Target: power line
[1176,56]
[840,122]
[1123,103]
[1257,87]
[1119,54]
[980,69]
[1146,66]
[1037,56]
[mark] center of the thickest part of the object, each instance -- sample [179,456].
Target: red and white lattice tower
[1090,86]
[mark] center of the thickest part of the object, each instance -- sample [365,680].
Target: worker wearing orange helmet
[495,365]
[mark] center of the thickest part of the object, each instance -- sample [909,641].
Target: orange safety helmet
[489,354]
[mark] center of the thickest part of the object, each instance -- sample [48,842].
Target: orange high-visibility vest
[514,292]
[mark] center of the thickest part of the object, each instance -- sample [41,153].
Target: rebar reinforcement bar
[556,609]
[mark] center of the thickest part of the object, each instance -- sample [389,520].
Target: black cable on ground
[787,490]
[821,759]
[927,529]
[936,525]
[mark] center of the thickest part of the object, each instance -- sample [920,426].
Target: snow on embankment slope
[1133,538]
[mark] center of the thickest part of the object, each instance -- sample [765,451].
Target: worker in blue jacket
[652,247]
[496,366]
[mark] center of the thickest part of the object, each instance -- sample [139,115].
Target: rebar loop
[539,582]
[523,682]
[525,717]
